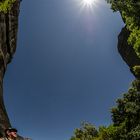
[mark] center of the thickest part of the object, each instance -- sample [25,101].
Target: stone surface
[8,39]
[126,51]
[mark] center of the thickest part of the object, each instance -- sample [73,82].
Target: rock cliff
[8,39]
[126,51]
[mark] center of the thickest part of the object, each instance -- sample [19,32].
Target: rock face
[8,39]
[126,51]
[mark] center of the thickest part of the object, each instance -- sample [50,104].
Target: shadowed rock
[126,51]
[8,39]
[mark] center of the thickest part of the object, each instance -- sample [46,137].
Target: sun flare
[88,3]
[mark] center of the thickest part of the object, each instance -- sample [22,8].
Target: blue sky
[66,68]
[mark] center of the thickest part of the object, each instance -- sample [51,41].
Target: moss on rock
[5,5]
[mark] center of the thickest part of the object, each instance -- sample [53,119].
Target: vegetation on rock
[5,5]
[136,70]
[130,10]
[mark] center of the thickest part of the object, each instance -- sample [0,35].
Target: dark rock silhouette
[126,51]
[8,39]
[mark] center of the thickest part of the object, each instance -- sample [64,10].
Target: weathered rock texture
[126,51]
[8,39]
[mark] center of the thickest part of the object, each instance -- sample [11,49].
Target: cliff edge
[127,51]
[129,38]
[8,39]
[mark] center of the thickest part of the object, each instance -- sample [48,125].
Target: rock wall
[126,51]
[8,39]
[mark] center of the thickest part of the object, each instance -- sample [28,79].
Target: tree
[126,115]
[86,132]
[89,132]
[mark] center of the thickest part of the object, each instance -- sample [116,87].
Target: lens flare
[88,3]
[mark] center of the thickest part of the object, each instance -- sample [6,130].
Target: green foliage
[135,133]
[136,70]
[5,5]
[86,132]
[130,10]
[134,39]
[107,133]
[125,116]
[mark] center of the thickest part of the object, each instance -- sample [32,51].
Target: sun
[88,3]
